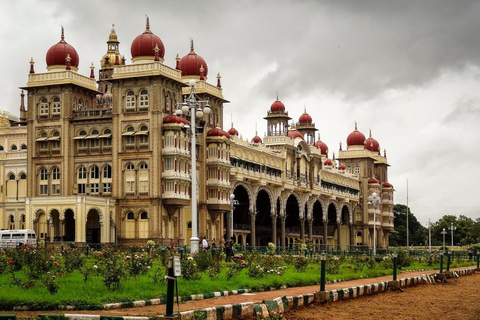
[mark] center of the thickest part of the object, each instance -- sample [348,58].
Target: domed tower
[112,57]
[306,127]
[322,146]
[193,66]
[147,47]
[62,56]
[355,139]
[372,144]
[277,119]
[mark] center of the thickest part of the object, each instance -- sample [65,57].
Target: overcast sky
[409,71]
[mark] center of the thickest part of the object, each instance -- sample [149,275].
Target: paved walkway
[257,297]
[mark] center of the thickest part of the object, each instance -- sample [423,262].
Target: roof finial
[385,153]
[148,23]
[340,145]
[304,109]
[32,70]
[63,36]
[202,72]
[219,84]
[277,96]
[256,129]
[191,46]
[177,62]
[231,119]
[355,125]
[68,62]
[156,54]
[92,72]
[370,133]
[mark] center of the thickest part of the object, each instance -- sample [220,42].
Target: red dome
[356,138]
[257,139]
[233,131]
[57,54]
[373,181]
[191,64]
[217,132]
[277,106]
[144,45]
[322,146]
[372,144]
[174,119]
[305,118]
[294,134]
[328,162]
[341,167]
[387,185]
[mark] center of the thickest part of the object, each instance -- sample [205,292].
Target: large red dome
[305,118]
[217,132]
[322,146]
[257,139]
[57,54]
[175,119]
[294,134]
[277,106]
[372,144]
[233,131]
[191,64]
[356,138]
[144,45]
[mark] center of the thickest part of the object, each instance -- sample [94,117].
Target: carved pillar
[283,218]
[62,229]
[252,229]
[274,228]
[302,228]
[339,246]
[310,229]
[325,232]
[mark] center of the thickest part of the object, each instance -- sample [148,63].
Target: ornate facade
[109,160]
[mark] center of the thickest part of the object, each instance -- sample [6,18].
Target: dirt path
[220,301]
[457,299]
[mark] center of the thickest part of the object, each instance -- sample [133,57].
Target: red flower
[10,261]
[266,261]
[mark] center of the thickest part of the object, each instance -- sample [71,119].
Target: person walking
[205,243]
[228,249]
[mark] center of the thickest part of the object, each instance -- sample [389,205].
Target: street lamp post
[194,105]
[375,200]
[429,235]
[443,233]
[452,227]
[230,218]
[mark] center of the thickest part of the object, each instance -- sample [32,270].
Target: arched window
[14,147]
[129,136]
[94,173]
[55,140]
[130,178]
[107,172]
[82,179]
[130,225]
[1,148]
[56,181]
[23,176]
[143,99]
[56,106]
[82,142]
[43,107]
[94,141]
[11,176]
[43,181]
[107,135]
[11,221]
[80,104]
[143,178]
[82,173]
[23,147]
[143,135]
[143,225]
[107,179]
[130,216]
[130,100]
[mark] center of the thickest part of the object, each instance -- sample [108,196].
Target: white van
[16,238]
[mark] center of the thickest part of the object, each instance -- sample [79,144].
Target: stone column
[302,228]
[339,244]
[325,232]
[274,228]
[252,229]
[283,218]
[310,229]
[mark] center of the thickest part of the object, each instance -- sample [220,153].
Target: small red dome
[257,139]
[293,134]
[387,185]
[373,181]
[175,119]
[217,132]
[57,54]
[277,106]
[341,167]
[233,131]
[144,45]
[305,118]
[372,144]
[328,162]
[356,138]
[191,64]
[322,146]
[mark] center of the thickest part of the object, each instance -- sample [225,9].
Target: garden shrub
[403,259]
[74,259]
[189,269]
[204,259]
[300,264]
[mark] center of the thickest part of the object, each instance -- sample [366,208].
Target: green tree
[467,231]
[417,233]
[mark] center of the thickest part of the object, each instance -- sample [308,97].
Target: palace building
[109,160]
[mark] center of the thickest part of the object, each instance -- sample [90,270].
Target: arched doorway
[345,229]
[56,232]
[69,226]
[92,230]
[317,229]
[241,214]
[263,220]
[331,225]
[292,221]
[41,225]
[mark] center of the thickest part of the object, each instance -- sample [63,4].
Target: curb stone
[268,307]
